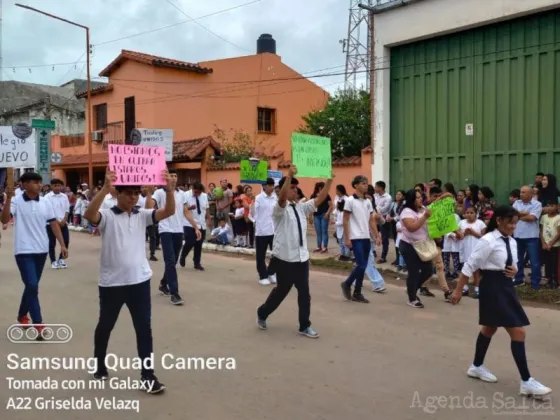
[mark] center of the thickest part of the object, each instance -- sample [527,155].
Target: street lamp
[88,103]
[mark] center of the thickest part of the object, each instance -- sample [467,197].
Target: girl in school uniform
[401,266]
[495,255]
[339,216]
[451,249]
[473,229]
[239,224]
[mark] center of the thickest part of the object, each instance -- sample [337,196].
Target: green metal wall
[504,79]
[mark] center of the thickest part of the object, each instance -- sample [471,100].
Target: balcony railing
[114,133]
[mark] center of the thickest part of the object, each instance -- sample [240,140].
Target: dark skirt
[499,305]
[239,226]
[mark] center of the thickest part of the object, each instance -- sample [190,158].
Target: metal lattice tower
[357,45]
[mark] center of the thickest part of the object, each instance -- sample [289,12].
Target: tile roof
[152,60]
[345,161]
[82,160]
[190,149]
[95,90]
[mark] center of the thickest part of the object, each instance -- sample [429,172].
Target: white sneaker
[272,278]
[54,265]
[482,373]
[380,289]
[533,387]
[62,263]
[264,282]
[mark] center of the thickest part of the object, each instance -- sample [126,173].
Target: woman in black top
[321,219]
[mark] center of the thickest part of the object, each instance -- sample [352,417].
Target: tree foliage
[346,120]
[237,145]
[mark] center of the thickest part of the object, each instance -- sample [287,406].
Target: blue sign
[275,175]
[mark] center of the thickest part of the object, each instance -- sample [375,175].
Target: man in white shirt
[290,256]
[124,272]
[383,202]
[196,201]
[171,236]
[145,201]
[61,207]
[359,218]
[264,231]
[31,243]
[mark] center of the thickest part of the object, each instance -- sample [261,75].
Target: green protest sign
[442,221]
[253,171]
[312,156]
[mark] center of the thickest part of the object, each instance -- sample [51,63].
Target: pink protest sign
[137,165]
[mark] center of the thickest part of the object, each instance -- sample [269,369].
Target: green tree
[346,120]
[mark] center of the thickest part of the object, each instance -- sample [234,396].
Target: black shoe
[164,290]
[465,292]
[424,291]
[476,295]
[182,261]
[158,248]
[381,261]
[101,375]
[358,297]
[447,295]
[346,291]
[395,263]
[151,384]
[176,299]
[153,258]
[199,267]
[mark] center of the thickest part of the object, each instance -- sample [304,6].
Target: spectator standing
[383,201]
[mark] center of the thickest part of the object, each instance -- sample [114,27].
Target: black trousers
[251,232]
[393,228]
[151,233]
[261,244]
[385,231]
[418,270]
[190,243]
[551,267]
[138,300]
[52,241]
[289,274]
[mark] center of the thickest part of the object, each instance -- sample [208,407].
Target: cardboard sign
[17,147]
[137,165]
[276,176]
[253,171]
[312,156]
[154,137]
[442,221]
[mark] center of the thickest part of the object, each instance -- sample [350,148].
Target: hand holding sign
[110,178]
[137,165]
[170,181]
[292,171]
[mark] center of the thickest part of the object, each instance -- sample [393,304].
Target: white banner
[17,146]
[154,137]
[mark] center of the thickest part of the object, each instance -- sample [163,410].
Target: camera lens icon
[39,333]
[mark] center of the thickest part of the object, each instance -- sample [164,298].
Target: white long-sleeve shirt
[383,203]
[263,209]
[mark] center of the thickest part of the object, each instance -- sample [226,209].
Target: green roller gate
[504,79]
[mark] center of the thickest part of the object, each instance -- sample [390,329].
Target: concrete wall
[66,122]
[421,20]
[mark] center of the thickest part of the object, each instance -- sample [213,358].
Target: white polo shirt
[109,202]
[31,216]
[172,224]
[360,212]
[286,239]
[59,203]
[264,205]
[123,259]
[190,201]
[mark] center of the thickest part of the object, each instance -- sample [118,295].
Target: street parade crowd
[491,247]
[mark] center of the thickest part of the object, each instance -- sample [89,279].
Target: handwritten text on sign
[442,221]
[137,165]
[312,155]
[17,147]
[253,172]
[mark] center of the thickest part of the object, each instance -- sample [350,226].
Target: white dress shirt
[59,203]
[172,224]
[383,203]
[286,237]
[490,253]
[190,201]
[264,206]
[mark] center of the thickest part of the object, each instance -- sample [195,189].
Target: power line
[178,23]
[70,69]
[31,66]
[207,29]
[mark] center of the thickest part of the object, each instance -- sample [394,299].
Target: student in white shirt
[383,202]
[145,201]
[31,243]
[264,231]
[290,255]
[495,255]
[222,235]
[171,235]
[61,207]
[359,220]
[110,199]
[196,201]
[124,273]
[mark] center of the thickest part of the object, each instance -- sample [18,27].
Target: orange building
[256,95]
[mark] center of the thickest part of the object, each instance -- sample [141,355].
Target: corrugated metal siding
[504,79]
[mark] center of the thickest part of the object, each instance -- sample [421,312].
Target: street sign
[56,157]
[44,124]
[43,143]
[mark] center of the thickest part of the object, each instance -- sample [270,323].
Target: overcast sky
[307,33]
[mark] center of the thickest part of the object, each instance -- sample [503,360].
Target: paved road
[383,360]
